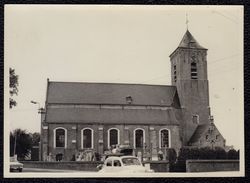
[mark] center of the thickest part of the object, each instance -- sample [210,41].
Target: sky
[121,44]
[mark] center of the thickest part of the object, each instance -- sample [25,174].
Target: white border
[6,127]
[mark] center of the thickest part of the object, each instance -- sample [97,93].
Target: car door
[117,166]
[108,165]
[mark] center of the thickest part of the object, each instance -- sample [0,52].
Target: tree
[35,139]
[20,143]
[13,87]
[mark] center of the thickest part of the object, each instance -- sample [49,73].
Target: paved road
[52,170]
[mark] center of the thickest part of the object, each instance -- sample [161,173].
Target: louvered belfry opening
[194,74]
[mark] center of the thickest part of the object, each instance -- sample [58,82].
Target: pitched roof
[188,41]
[109,93]
[200,130]
[112,116]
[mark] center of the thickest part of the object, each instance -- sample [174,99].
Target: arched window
[164,138]
[113,137]
[139,138]
[60,137]
[194,71]
[87,138]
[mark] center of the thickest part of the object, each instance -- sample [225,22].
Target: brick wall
[212,165]
[72,165]
[101,137]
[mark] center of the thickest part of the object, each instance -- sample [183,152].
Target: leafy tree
[20,143]
[13,87]
[35,139]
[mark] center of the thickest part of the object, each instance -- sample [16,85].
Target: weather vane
[187,20]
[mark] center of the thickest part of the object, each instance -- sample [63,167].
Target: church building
[85,116]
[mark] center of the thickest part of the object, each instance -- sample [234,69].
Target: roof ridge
[74,82]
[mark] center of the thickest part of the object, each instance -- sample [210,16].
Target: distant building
[80,117]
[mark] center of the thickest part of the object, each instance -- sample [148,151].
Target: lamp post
[40,111]
[39,108]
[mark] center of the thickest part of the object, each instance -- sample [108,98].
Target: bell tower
[189,75]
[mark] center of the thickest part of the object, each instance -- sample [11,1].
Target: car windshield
[130,161]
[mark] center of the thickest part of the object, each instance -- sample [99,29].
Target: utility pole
[40,111]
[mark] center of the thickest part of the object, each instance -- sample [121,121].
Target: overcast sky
[122,44]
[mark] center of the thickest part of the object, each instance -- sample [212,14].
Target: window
[109,163]
[194,71]
[139,138]
[113,137]
[60,137]
[130,161]
[164,138]
[129,100]
[195,119]
[175,77]
[117,163]
[87,138]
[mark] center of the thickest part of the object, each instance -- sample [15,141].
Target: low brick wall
[211,165]
[67,165]
[158,166]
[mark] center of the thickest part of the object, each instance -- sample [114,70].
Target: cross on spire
[187,20]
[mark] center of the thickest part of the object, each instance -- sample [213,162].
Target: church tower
[189,75]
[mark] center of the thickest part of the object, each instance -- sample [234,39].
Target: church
[81,116]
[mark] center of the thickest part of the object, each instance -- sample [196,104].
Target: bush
[233,154]
[171,157]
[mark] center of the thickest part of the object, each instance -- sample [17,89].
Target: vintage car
[15,165]
[123,164]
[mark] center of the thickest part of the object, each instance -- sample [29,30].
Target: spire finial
[187,20]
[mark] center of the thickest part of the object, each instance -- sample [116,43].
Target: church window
[113,137]
[139,138]
[164,138]
[60,137]
[175,77]
[194,74]
[195,119]
[129,100]
[87,138]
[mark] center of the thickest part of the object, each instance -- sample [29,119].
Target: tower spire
[187,20]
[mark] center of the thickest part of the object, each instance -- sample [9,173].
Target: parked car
[15,165]
[123,164]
